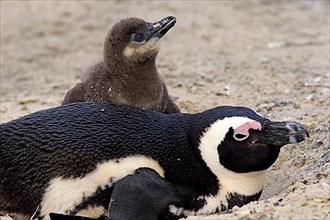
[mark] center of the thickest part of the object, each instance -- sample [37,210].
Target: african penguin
[68,159]
[128,74]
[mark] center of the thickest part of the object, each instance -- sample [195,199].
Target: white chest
[63,195]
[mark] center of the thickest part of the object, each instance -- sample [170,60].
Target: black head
[134,39]
[240,140]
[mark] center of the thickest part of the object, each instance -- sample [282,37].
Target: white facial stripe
[139,49]
[242,183]
[64,194]
[213,136]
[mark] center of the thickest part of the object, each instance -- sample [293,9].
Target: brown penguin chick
[128,74]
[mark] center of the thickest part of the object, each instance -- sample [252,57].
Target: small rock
[280,102]
[28,101]
[225,92]
[276,44]
[265,59]
[235,208]
[325,185]
[263,217]
[309,97]
[24,108]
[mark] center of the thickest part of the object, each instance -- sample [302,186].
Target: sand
[268,55]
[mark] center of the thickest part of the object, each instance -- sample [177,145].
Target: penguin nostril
[240,136]
[162,31]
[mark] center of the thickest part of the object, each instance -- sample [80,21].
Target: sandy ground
[270,56]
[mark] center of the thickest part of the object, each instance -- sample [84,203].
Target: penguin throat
[133,71]
[146,72]
[231,193]
[241,183]
[234,189]
[140,52]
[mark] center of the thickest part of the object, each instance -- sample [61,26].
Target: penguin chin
[142,52]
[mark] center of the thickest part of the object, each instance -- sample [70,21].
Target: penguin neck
[240,188]
[141,71]
[233,189]
[246,184]
[133,70]
[220,192]
[185,160]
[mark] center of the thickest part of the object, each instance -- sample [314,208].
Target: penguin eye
[240,136]
[138,37]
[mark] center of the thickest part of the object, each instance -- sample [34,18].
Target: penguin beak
[282,133]
[160,28]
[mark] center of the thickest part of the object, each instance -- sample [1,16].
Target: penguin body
[128,74]
[67,159]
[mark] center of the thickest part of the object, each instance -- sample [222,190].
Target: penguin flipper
[76,94]
[171,107]
[143,195]
[167,103]
[56,216]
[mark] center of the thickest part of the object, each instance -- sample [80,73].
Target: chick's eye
[138,37]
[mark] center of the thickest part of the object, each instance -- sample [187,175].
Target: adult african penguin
[128,74]
[70,159]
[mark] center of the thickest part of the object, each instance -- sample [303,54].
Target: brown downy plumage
[128,73]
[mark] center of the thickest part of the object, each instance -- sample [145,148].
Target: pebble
[265,60]
[276,44]
[28,101]
[309,97]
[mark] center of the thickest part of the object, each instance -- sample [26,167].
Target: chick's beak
[282,133]
[160,28]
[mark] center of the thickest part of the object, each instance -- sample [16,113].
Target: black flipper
[56,216]
[145,195]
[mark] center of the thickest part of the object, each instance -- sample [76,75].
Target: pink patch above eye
[244,128]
